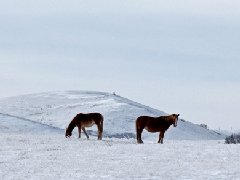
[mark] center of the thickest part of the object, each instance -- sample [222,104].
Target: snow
[57,109]
[26,153]
[33,145]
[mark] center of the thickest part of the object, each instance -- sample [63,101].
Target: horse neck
[171,119]
[168,119]
[72,125]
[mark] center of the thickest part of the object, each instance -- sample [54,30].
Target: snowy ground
[34,151]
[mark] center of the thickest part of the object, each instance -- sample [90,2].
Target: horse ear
[178,114]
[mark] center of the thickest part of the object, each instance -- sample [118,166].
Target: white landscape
[33,145]
[140,58]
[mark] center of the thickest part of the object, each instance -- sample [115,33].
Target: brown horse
[155,124]
[85,120]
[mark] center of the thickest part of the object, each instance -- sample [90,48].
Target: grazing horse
[85,120]
[155,124]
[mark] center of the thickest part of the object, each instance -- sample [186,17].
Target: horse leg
[79,131]
[85,132]
[100,130]
[161,136]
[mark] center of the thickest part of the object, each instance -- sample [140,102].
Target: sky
[176,56]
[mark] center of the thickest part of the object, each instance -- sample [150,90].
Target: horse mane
[72,124]
[168,118]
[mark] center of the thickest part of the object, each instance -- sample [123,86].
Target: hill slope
[56,109]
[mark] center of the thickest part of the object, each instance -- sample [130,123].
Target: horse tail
[138,129]
[101,123]
[136,122]
[137,125]
[100,128]
[140,124]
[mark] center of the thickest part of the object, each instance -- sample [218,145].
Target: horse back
[87,120]
[152,124]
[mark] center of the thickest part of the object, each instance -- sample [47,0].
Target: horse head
[175,120]
[68,133]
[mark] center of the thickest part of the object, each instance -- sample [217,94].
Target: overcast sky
[176,56]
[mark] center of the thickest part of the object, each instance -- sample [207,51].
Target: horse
[155,124]
[85,120]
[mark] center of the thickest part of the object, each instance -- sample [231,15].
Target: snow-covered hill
[56,109]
